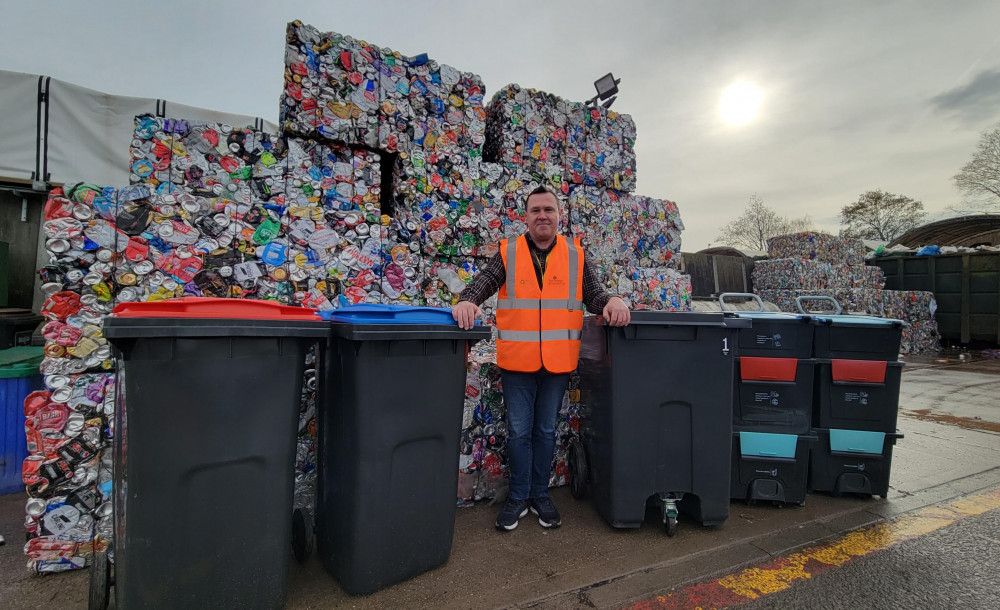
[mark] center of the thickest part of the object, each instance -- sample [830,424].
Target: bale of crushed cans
[822,247]
[916,308]
[347,90]
[804,274]
[619,228]
[559,141]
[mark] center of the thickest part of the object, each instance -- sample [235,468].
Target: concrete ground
[951,448]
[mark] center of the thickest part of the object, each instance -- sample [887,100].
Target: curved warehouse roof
[961,231]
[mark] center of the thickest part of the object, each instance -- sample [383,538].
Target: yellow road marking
[751,583]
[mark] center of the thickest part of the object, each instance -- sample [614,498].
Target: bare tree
[980,177]
[880,215]
[757,224]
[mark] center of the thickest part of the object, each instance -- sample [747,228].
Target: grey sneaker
[511,512]
[548,516]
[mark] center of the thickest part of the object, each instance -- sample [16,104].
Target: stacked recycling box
[856,406]
[772,408]
[817,264]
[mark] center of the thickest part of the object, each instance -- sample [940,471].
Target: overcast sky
[855,95]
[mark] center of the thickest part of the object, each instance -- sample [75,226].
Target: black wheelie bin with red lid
[206,421]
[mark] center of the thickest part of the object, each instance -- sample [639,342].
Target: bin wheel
[303,534]
[670,524]
[579,472]
[100,582]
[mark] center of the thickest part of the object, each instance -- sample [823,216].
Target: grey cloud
[975,102]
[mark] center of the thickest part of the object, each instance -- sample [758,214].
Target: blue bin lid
[389,314]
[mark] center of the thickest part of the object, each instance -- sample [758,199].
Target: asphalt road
[954,567]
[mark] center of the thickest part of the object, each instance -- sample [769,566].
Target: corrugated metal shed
[960,231]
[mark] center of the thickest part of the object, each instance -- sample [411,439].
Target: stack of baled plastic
[818,264]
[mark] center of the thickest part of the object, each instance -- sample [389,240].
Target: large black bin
[656,415]
[208,401]
[389,428]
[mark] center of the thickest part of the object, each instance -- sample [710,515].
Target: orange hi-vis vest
[540,327]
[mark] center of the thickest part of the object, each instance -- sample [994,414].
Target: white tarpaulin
[60,133]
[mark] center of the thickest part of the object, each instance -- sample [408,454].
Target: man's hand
[465,313]
[616,312]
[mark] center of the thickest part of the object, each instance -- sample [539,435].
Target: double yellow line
[780,574]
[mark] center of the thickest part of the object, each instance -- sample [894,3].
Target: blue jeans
[532,401]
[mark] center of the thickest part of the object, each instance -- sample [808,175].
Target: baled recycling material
[561,142]
[817,264]
[817,246]
[375,191]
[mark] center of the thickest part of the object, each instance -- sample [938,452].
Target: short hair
[541,189]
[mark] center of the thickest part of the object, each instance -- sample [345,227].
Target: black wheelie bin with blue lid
[207,395]
[656,416]
[389,427]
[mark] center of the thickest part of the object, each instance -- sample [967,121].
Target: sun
[740,103]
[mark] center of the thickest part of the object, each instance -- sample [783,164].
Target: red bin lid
[214,308]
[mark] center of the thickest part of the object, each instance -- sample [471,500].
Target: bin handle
[745,295]
[836,306]
[768,452]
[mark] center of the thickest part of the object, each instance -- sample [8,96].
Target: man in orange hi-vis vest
[544,282]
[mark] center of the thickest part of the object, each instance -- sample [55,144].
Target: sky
[853,95]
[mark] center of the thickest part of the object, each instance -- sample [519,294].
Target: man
[544,281]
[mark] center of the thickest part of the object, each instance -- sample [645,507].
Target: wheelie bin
[656,416]
[16,327]
[205,428]
[389,426]
[18,378]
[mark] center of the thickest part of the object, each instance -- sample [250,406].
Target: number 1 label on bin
[725,346]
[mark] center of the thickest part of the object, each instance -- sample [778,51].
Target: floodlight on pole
[607,90]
